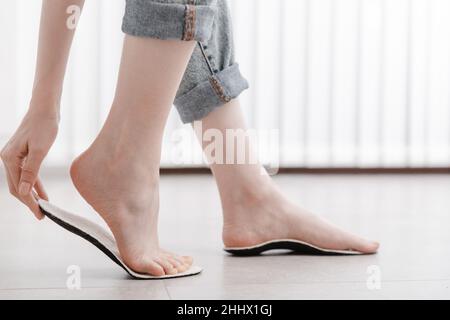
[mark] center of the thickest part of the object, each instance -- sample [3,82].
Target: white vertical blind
[348,83]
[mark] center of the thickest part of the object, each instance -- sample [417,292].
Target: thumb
[29,173]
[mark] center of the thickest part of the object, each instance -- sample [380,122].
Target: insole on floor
[100,238]
[294,246]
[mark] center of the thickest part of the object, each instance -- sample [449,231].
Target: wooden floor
[408,214]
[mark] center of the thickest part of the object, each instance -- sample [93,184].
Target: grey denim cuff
[219,89]
[170,20]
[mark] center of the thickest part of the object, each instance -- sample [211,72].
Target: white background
[349,83]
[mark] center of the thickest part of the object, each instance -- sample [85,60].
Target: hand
[23,156]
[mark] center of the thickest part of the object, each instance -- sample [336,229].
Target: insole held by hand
[100,238]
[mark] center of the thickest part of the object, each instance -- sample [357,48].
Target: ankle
[240,197]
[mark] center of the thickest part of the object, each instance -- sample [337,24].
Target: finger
[39,187]
[36,197]
[29,172]
[13,169]
[33,205]
[12,188]
[28,200]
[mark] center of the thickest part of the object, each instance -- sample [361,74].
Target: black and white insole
[100,238]
[294,246]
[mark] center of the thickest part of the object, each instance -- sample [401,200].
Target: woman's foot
[256,217]
[126,196]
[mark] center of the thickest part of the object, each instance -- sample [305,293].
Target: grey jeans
[212,77]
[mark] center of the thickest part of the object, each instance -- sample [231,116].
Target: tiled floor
[410,215]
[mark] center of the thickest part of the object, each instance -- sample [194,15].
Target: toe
[155,269]
[178,265]
[166,265]
[173,260]
[148,266]
[187,260]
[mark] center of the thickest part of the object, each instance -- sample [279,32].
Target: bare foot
[126,197]
[268,215]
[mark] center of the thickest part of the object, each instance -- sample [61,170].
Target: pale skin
[125,156]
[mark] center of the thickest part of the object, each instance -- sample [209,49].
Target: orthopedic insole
[294,246]
[100,238]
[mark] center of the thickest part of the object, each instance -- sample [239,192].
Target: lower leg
[255,210]
[118,175]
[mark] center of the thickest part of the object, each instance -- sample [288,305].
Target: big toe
[148,266]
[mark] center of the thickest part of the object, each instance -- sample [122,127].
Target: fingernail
[24,188]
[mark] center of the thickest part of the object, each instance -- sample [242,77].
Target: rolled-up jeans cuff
[170,20]
[219,89]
